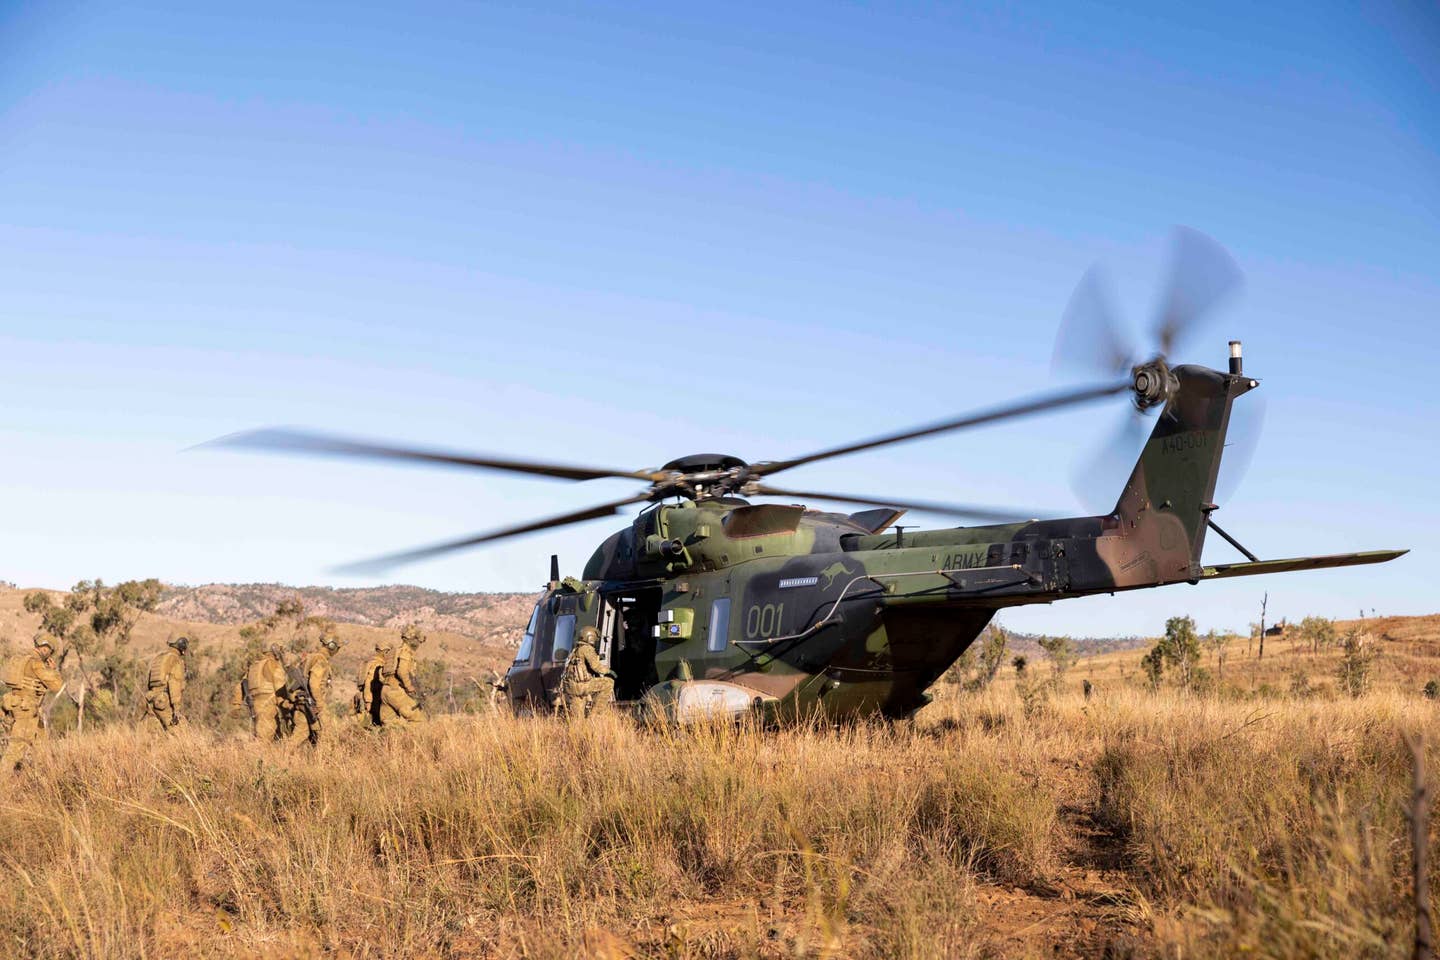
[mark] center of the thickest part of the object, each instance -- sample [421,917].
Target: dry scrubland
[1137,824]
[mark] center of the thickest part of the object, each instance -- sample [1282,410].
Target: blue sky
[617,235]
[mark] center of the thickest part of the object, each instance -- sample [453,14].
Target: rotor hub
[1152,383]
[703,476]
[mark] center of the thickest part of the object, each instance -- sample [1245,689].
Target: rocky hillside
[495,619]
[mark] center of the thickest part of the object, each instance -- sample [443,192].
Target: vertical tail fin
[1164,506]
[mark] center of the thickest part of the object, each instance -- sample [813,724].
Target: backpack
[12,674]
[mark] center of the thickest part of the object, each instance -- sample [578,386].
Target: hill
[496,619]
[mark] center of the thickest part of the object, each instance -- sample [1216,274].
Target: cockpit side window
[527,645]
[564,638]
[719,630]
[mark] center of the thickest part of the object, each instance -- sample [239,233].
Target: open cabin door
[628,640]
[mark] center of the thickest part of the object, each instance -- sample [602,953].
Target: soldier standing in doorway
[586,680]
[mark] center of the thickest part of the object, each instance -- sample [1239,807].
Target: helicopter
[709,604]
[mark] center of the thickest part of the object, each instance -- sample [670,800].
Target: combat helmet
[46,641]
[588,635]
[330,642]
[181,643]
[412,635]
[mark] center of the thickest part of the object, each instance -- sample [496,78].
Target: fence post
[1420,845]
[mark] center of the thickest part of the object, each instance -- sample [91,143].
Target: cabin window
[564,638]
[527,645]
[1018,553]
[719,634]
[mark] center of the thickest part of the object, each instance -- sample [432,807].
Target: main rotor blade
[378,564]
[992,514]
[1052,401]
[301,441]
[1092,338]
[1202,274]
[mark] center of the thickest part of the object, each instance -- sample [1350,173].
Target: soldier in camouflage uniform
[166,684]
[368,700]
[269,693]
[586,680]
[28,678]
[316,667]
[399,691]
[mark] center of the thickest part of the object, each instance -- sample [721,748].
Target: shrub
[1356,659]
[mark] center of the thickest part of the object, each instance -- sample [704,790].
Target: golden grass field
[1135,824]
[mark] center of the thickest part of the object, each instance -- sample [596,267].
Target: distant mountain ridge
[493,618]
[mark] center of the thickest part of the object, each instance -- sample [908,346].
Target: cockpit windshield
[527,645]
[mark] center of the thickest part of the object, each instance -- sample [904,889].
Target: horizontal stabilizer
[1299,563]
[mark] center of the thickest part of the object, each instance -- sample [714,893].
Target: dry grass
[504,836]
[1139,824]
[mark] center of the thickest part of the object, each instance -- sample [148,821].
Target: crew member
[586,680]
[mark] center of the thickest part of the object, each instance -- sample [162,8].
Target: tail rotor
[1095,339]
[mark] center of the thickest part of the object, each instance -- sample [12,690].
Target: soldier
[167,683]
[399,691]
[368,700]
[316,670]
[586,680]
[269,694]
[28,677]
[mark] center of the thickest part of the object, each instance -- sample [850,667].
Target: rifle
[245,695]
[298,681]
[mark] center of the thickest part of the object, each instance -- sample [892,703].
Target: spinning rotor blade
[990,514]
[1202,274]
[378,564]
[1093,339]
[1242,439]
[1100,477]
[278,439]
[1030,407]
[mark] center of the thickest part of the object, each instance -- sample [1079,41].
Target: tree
[977,666]
[1356,658]
[1264,603]
[1153,663]
[1032,694]
[1060,651]
[1318,632]
[960,670]
[994,642]
[1181,649]
[1216,642]
[55,621]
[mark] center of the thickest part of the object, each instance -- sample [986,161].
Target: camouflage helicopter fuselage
[786,611]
